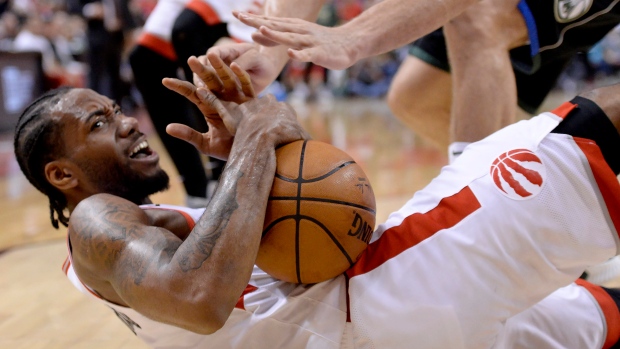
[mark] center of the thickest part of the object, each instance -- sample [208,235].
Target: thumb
[261,39]
[317,56]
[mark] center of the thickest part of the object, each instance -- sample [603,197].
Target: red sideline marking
[604,176]
[610,311]
[415,229]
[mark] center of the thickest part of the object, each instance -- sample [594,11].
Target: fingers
[183,88]
[229,119]
[223,72]
[278,23]
[188,134]
[230,52]
[205,73]
[260,39]
[189,91]
[294,40]
[244,79]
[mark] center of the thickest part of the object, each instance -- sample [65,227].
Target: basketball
[320,214]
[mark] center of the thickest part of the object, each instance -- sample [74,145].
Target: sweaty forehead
[80,102]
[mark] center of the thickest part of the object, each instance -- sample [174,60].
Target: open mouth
[142,150]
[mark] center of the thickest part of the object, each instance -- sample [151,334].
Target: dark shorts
[556,35]
[590,122]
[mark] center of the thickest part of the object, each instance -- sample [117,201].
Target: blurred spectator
[604,57]
[9,28]
[372,77]
[106,21]
[37,35]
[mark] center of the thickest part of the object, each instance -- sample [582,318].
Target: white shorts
[517,216]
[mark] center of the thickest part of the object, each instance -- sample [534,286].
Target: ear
[60,174]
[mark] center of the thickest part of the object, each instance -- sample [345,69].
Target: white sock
[455,150]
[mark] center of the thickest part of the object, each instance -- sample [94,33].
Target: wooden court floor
[40,309]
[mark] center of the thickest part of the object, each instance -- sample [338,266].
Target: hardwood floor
[40,309]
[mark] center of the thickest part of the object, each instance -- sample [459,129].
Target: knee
[483,25]
[405,98]
[395,98]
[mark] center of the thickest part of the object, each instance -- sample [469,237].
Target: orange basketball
[320,215]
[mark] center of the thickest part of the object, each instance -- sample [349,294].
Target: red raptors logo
[518,174]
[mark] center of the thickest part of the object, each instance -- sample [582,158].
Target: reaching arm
[265,62]
[383,27]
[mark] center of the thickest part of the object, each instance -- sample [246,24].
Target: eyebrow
[99,111]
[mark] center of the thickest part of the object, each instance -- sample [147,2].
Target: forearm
[393,23]
[222,248]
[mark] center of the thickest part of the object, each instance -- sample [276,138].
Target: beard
[123,182]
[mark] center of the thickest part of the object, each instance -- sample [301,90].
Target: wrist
[358,45]
[277,54]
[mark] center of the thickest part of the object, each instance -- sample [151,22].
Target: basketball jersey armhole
[188,218]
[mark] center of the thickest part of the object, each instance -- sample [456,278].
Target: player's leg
[580,315]
[484,33]
[196,29]
[152,60]
[421,92]
[165,107]
[511,221]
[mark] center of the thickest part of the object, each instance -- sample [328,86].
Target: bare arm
[383,27]
[265,62]
[196,283]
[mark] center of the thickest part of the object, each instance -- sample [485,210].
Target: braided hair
[36,143]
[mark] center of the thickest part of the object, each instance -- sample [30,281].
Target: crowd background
[86,43]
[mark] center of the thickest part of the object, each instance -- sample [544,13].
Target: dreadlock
[37,143]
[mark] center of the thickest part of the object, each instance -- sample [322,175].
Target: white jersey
[269,314]
[517,216]
[157,31]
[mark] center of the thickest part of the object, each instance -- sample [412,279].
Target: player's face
[108,147]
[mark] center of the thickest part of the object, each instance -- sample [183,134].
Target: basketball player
[464,264]
[542,36]
[176,30]
[539,38]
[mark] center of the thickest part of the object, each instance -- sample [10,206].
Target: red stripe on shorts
[415,229]
[609,309]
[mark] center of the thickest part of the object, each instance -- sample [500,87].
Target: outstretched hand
[263,69]
[215,81]
[331,48]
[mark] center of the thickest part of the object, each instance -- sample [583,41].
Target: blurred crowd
[82,42]
[86,43]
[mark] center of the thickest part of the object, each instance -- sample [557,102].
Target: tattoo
[104,235]
[210,229]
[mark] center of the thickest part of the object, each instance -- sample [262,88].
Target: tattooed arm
[195,283]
